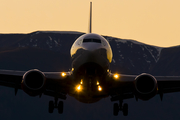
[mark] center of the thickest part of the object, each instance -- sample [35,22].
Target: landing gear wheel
[51,106]
[125,109]
[60,107]
[115,109]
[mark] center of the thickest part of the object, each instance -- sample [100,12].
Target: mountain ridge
[129,56]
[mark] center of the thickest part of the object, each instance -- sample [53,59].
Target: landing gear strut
[120,107]
[53,105]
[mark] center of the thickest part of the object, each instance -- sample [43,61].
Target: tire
[115,109]
[60,107]
[51,106]
[125,109]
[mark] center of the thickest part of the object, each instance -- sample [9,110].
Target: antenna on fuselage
[90,21]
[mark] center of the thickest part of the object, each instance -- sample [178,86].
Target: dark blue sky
[25,107]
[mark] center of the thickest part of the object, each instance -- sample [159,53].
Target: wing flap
[11,78]
[168,84]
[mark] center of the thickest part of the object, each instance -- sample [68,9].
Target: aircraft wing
[58,86]
[54,82]
[168,84]
[127,85]
[11,78]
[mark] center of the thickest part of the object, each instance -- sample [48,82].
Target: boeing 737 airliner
[90,78]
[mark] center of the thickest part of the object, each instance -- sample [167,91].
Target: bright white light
[99,88]
[79,88]
[81,82]
[116,76]
[63,74]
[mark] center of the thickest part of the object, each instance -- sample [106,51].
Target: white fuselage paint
[85,52]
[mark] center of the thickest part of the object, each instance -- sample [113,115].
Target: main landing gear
[53,105]
[120,107]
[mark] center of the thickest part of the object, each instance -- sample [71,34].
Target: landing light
[116,76]
[99,88]
[78,87]
[97,83]
[81,82]
[63,74]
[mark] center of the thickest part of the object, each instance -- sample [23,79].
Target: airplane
[90,78]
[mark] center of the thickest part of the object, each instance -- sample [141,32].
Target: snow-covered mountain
[133,56]
[129,56]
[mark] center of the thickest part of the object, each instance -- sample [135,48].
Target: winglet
[90,22]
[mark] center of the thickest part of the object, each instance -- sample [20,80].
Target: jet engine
[33,82]
[145,86]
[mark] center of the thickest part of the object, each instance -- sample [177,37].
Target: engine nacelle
[33,82]
[145,86]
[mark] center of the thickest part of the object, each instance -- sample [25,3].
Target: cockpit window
[92,40]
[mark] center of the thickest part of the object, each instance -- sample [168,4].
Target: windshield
[92,40]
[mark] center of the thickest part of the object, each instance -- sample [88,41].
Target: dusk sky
[154,22]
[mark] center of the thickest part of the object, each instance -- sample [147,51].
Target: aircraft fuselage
[91,55]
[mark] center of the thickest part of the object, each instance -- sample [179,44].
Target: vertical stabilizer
[90,22]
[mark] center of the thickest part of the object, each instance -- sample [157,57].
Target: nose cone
[93,44]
